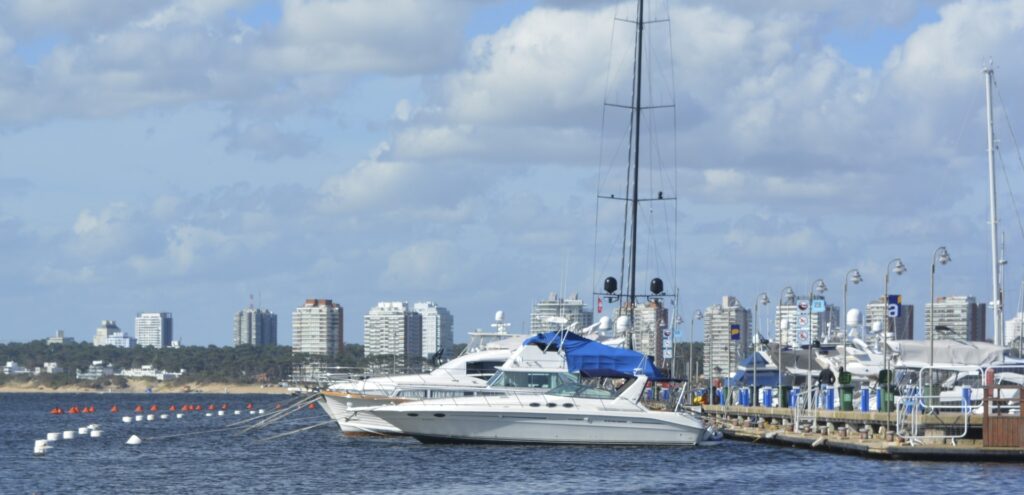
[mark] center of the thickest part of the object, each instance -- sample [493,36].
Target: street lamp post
[697,315]
[762,300]
[851,276]
[941,255]
[819,287]
[895,265]
[786,294]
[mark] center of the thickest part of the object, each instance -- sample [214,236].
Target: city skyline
[457,162]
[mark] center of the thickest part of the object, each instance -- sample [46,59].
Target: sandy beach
[141,386]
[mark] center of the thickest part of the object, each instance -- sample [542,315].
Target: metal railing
[913,408]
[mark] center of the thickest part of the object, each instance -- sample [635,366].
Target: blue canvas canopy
[594,359]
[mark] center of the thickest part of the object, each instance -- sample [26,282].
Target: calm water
[323,461]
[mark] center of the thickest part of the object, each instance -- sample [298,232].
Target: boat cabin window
[583,391]
[531,379]
[482,368]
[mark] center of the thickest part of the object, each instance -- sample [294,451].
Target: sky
[188,155]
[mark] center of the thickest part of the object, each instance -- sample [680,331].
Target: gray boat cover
[948,352]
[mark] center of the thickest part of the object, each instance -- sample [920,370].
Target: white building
[50,368]
[154,329]
[104,331]
[1014,326]
[824,325]
[394,329]
[721,352]
[13,368]
[96,370]
[120,339]
[148,371]
[59,338]
[900,328]
[571,309]
[649,328]
[254,326]
[955,317]
[438,329]
[318,328]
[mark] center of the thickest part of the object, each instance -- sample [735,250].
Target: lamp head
[900,267]
[819,286]
[763,299]
[944,256]
[855,276]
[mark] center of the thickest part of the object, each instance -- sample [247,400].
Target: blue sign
[734,332]
[818,306]
[894,306]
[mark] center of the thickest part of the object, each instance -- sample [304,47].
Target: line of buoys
[237,412]
[149,417]
[220,413]
[68,435]
[95,433]
[53,437]
[138,417]
[56,410]
[73,410]
[126,419]
[83,431]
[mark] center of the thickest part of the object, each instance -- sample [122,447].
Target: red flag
[599,304]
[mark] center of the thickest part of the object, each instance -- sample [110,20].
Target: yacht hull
[362,423]
[550,427]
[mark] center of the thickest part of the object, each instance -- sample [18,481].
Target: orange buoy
[277,406]
[114,408]
[211,408]
[91,409]
[248,406]
[138,408]
[172,408]
[56,410]
[312,406]
[73,410]
[154,408]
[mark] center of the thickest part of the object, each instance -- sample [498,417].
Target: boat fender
[827,377]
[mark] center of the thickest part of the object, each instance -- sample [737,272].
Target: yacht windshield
[531,379]
[582,391]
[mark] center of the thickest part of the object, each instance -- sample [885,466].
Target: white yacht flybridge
[571,413]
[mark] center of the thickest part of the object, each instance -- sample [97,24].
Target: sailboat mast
[635,200]
[997,292]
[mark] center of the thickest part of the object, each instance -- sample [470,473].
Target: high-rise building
[254,326]
[649,327]
[394,329]
[438,326]
[59,338]
[318,328]
[105,330]
[154,329]
[721,352]
[571,309]
[824,325]
[955,317]
[902,326]
[1014,329]
[120,339]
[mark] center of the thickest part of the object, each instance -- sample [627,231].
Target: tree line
[242,364]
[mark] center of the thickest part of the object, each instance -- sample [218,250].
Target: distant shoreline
[144,387]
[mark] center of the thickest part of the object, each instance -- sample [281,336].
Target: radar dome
[853,317]
[622,324]
[499,316]
[604,323]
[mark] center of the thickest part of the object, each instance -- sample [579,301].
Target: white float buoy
[83,431]
[133,440]
[93,426]
[261,411]
[251,413]
[126,419]
[52,437]
[138,417]
[163,416]
[95,433]
[220,413]
[40,447]
[68,435]
[179,415]
[149,417]
[237,413]
[209,415]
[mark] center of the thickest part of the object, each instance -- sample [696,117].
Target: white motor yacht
[572,413]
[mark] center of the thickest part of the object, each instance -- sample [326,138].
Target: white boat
[572,413]
[527,370]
